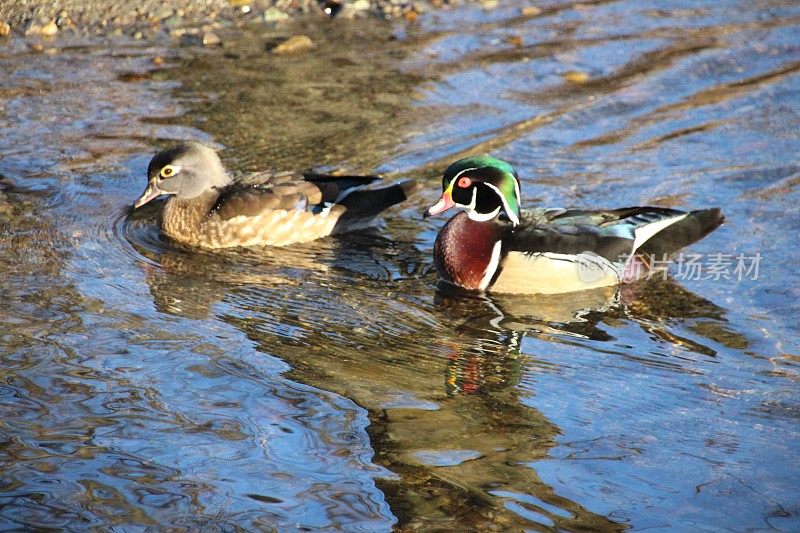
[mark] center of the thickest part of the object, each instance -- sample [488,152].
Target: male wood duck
[208,209]
[493,245]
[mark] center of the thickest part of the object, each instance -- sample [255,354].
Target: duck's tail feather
[689,229]
[368,203]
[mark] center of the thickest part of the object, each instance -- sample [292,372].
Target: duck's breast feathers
[257,193]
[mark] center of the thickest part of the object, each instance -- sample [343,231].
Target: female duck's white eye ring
[464,182]
[169,171]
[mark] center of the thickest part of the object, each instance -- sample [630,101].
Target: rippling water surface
[334,385]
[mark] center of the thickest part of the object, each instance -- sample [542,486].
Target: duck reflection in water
[496,324]
[446,381]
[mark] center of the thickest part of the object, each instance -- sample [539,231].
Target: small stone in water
[530,11]
[515,40]
[158,60]
[410,15]
[360,5]
[295,43]
[274,14]
[37,29]
[163,12]
[5,29]
[211,39]
[575,76]
[174,21]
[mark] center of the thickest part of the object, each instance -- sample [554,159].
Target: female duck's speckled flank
[208,209]
[494,245]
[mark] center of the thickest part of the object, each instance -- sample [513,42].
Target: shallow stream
[334,385]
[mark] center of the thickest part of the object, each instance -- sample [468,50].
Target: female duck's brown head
[185,171]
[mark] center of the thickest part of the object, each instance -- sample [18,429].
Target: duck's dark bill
[150,193]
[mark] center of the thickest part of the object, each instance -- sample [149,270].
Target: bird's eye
[464,182]
[169,171]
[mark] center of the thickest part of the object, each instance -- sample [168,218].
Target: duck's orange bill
[444,203]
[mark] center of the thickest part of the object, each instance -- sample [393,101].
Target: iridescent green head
[484,186]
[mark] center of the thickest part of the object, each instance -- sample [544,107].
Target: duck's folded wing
[569,240]
[257,193]
[253,200]
[616,233]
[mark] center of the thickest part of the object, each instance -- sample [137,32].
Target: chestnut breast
[463,250]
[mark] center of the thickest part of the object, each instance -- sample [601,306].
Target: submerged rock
[48,29]
[295,43]
[274,14]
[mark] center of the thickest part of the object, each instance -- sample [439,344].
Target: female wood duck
[208,209]
[494,245]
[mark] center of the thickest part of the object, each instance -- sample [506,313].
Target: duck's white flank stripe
[643,234]
[491,268]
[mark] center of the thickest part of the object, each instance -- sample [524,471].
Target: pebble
[530,11]
[410,15]
[575,76]
[360,5]
[37,29]
[5,29]
[5,206]
[211,39]
[200,39]
[515,40]
[295,43]
[173,21]
[163,12]
[274,14]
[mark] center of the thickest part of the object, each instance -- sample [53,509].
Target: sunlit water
[334,385]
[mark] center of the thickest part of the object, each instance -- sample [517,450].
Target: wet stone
[50,28]
[274,14]
[5,29]
[200,39]
[576,76]
[173,22]
[163,12]
[295,43]
[530,11]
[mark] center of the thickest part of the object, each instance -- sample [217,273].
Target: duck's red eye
[464,182]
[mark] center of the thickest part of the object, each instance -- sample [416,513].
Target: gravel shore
[151,18]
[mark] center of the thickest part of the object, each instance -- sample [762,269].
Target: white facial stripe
[511,214]
[482,217]
[457,175]
[452,183]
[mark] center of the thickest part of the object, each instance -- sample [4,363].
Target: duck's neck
[465,251]
[182,218]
